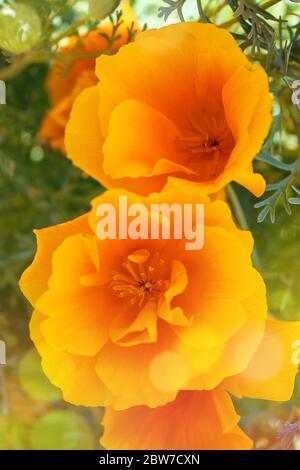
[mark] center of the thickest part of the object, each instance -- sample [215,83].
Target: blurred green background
[38,188]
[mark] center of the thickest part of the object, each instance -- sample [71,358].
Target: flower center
[199,144]
[208,138]
[142,278]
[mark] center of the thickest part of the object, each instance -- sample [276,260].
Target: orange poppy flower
[64,88]
[182,101]
[206,420]
[133,322]
[194,420]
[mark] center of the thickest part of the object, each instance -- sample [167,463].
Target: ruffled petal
[74,374]
[195,420]
[34,281]
[138,138]
[271,373]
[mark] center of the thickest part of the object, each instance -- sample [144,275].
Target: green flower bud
[20,28]
[102,8]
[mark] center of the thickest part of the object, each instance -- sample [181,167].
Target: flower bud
[20,28]
[102,8]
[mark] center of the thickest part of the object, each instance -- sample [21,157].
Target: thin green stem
[239,213]
[70,30]
[22,62]
[180,14]
[202,14]
[241,219]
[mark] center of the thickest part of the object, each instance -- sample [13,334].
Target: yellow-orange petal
[74,374]
[240,349]
[77,322]
[115,369]
[124,77]
[178,283]
[34,281]
[83,139]
[216,323]
[254,182]
[138,137]
[68,270]
[160,369]
[242,109]
[214,273]
[271,373]
[77,313]
[194,420]
[130,330]
[84,143]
